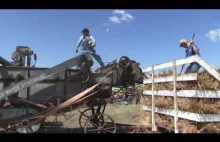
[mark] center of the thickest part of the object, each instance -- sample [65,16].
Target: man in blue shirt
[191,49]
[88,43]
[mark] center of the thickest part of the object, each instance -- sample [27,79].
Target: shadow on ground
[57,128]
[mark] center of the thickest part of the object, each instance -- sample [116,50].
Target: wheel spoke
[101,123]
[94,124]
[71,116]
[85,115]
[107,131]
[93,130]
[31,129]
[110,128]
[87,112]
[104,125]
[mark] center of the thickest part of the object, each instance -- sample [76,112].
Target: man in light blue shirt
[88,43]
[191,49]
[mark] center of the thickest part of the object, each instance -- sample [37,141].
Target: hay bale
[185,126]
[147,128]
[200,106]
[194,105]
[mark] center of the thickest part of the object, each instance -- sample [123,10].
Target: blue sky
[147,36]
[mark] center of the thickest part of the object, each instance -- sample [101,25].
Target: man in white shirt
[88,43]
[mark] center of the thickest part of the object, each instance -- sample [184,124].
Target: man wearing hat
[191,49]
[88,43]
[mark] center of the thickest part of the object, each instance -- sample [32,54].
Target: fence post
[153,102]
[175,97]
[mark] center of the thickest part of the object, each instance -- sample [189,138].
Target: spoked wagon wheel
[27,128]
[1,129]
[87,113]
[100,123]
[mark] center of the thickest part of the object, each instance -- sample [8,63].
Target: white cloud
[213,35]
[122,12]
[120,16]
[107,30]
[115,19]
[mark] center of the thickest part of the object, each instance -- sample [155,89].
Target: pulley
[16,56]
[25,123]
[124,62]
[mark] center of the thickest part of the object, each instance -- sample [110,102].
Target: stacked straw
[185,126]
[195,105]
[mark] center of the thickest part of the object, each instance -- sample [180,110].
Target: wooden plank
[147,75]
[153,102]
[175,97]
[208,68]
[170,64]
[184,77]
[186,93]
[188,60]
[186,115]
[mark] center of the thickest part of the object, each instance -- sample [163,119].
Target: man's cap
[183,41]
[85,30]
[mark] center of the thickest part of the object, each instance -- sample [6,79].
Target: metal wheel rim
[30,129]
[124,61]
[82,114]
[105,123]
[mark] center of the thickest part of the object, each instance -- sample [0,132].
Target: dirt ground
[123,114]
[127,114]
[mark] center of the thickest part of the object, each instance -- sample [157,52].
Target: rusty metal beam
[33,103]
[66,103]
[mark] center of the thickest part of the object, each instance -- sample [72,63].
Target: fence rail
[187,115]
[188,60]
[185,77]
[179,93]
[185,93]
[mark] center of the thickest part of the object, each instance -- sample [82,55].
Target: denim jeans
[193,68]
[92,52]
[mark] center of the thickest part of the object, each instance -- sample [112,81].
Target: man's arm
[93,43]
[79,42]
[182,67]
[92,38]
[195,48]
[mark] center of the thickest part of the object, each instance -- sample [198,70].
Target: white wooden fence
[182,93]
